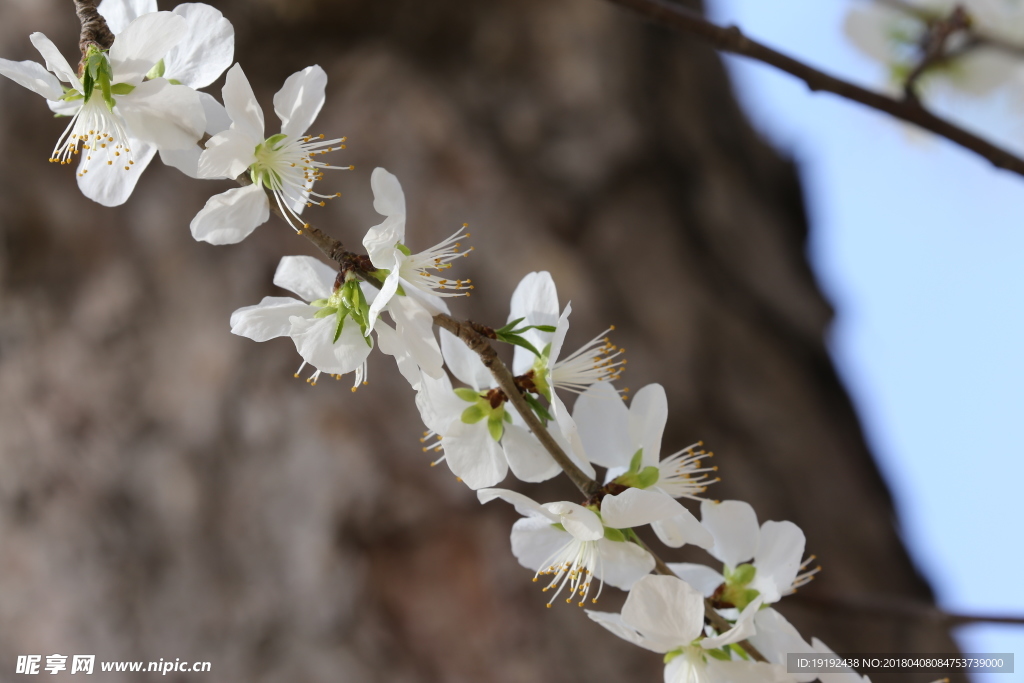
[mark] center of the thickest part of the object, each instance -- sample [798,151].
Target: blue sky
[920,245]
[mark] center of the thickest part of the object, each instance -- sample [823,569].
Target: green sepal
[636,460]
[672,654]
[558,525]
[467,394]
[719,654]
[496,424]
[70,95]
[319,303]
[121,88]
[507,417]
[735,647]
[540,410]
[647,477]
[381,274]
[325,311]
[174,81]
[157,71]
[341,323]
[510,338]
[473,414]
[404,249]
[742,575]
[400,290]
[272,141]
[614,535]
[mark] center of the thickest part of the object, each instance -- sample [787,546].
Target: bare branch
[731,39]
[94,27]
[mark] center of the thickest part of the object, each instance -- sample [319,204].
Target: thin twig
[979,38]
[897,607]
[94,27]
[934,48]
[731,39]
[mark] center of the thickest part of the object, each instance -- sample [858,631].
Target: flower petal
[386,292]
[119,13]
[269,318]
[780,550]
[438,404]
[388,197]
[391,343]
[307,276]
[205,51]
[702,577]
[535,299]
[415,325]
[112,185]
[535,541]
[217,119]
[648,413]
[636,507]
[665,609]
[228,154]
[300,99]
[143,43]
[464,363]
[473,456]
[524,505]
[381,239]
[776,638]
[623,564]
[733,523]
[230,217]
[581,523]
[603,423]
[242,107]
[55,61]
[568,437]
[614,623]
[169,116]
[741,630]
[526,457]
[34,76]
[314,340]
[681,529]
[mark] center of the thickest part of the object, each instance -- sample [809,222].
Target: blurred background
[170,491]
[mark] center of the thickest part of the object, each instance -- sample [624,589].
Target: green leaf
[539,409]
[157,71]
[634,463]
[473,414]
[496,424]
[647,477]
[467,394]
[510,326]
[544,328]
[518,341]
[614,535]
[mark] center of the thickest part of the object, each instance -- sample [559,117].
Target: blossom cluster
[140,96]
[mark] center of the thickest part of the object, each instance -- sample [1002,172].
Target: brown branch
[731,39]
[94,27]
[978,38]
[897,607]
[934,48]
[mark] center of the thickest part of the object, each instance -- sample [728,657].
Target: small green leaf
[467,394]
[496,424]
[544,328]
[473,414]
[647,477]
[518,341]
[614,535]
[157,71]
[510,326]
[634,463]
[540,410]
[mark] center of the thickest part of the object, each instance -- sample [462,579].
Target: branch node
[94,27]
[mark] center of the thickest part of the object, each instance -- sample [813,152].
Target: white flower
[574,544]
[664,614]
[284,163]
[327,332]
[404,272]
[117,117]
[481,437]
[203,54]
[897,39]
[776,549]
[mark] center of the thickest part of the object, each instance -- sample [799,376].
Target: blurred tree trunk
[170,491]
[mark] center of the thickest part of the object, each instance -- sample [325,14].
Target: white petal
[463,363]
[677,531]
[391,343]
[230,217]
[112,185]
[169,116]
[241,104]
[416,327]
[635,507]
[581,523]
[780,550]
[526,457]
[737,671]
[388,198]
[33,76]
[702,577]
[558,338]
[845,676]
[217,119]
[269,318]
[185,160]
[143,43]
[380,241]
[603,423]
[614,623]
[387,291]
[473,456]
[733,523]
[228,154]
[665,609]
[536,300]
[299,100]
[524,505]
[314,340]
[568,438]
[438,405]
[119,13]
[55,61]
[648,413]
[776,638]
[623,564]
[308,277]
[205,51]
[741,630]
[869,26]
[535,541]
[62,108]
